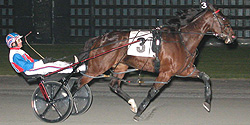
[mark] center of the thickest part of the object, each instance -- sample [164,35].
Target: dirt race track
[180,103]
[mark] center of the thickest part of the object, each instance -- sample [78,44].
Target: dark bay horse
[176,58]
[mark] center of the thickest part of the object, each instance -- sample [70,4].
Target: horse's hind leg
[115,86]
[208,90]
[79,84]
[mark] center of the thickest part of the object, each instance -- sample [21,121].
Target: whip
[31,46]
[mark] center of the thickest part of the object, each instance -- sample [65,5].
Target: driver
[22,62]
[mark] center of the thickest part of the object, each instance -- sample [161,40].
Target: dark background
[74,21]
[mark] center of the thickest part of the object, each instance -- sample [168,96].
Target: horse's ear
[211,7]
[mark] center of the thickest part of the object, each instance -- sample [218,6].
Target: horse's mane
[183,18]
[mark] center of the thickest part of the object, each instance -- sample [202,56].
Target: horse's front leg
[195,73]
[208,90]
[163,77]
[115,86]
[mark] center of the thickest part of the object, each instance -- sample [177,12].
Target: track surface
[179,103]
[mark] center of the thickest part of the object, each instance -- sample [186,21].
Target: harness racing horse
[176,58]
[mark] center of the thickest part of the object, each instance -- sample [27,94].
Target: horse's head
[220,26]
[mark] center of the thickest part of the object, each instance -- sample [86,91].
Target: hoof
[136,118]
[133,106]
[207,106]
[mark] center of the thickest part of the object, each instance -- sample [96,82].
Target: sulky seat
[31,79]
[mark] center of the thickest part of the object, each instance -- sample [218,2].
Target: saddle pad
[136,49]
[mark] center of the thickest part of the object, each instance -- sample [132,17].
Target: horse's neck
[193,34]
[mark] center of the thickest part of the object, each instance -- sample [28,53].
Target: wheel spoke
[75,107]
[58,108]
[58,112]
[56,93]
[45,111]
[40,98]
[61,99]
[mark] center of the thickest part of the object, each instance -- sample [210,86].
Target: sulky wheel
[59,106]
[82,99]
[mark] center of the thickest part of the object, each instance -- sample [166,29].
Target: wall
[74,21]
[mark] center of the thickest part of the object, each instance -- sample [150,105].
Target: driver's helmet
[11,38]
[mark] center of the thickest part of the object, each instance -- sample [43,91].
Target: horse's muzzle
[229,40]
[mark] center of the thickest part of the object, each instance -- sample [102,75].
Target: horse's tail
[87,48]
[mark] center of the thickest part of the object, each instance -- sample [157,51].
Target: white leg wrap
[133,106]
[207,106]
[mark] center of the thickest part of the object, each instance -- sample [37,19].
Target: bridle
[224,27]
[222,35]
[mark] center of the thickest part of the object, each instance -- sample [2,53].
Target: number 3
[141,49]
[203,5]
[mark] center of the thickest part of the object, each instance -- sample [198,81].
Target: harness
[156,47]
[189,54]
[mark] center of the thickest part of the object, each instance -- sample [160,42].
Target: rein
[124,52]
[179,32]
[103,46]
[93,57]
